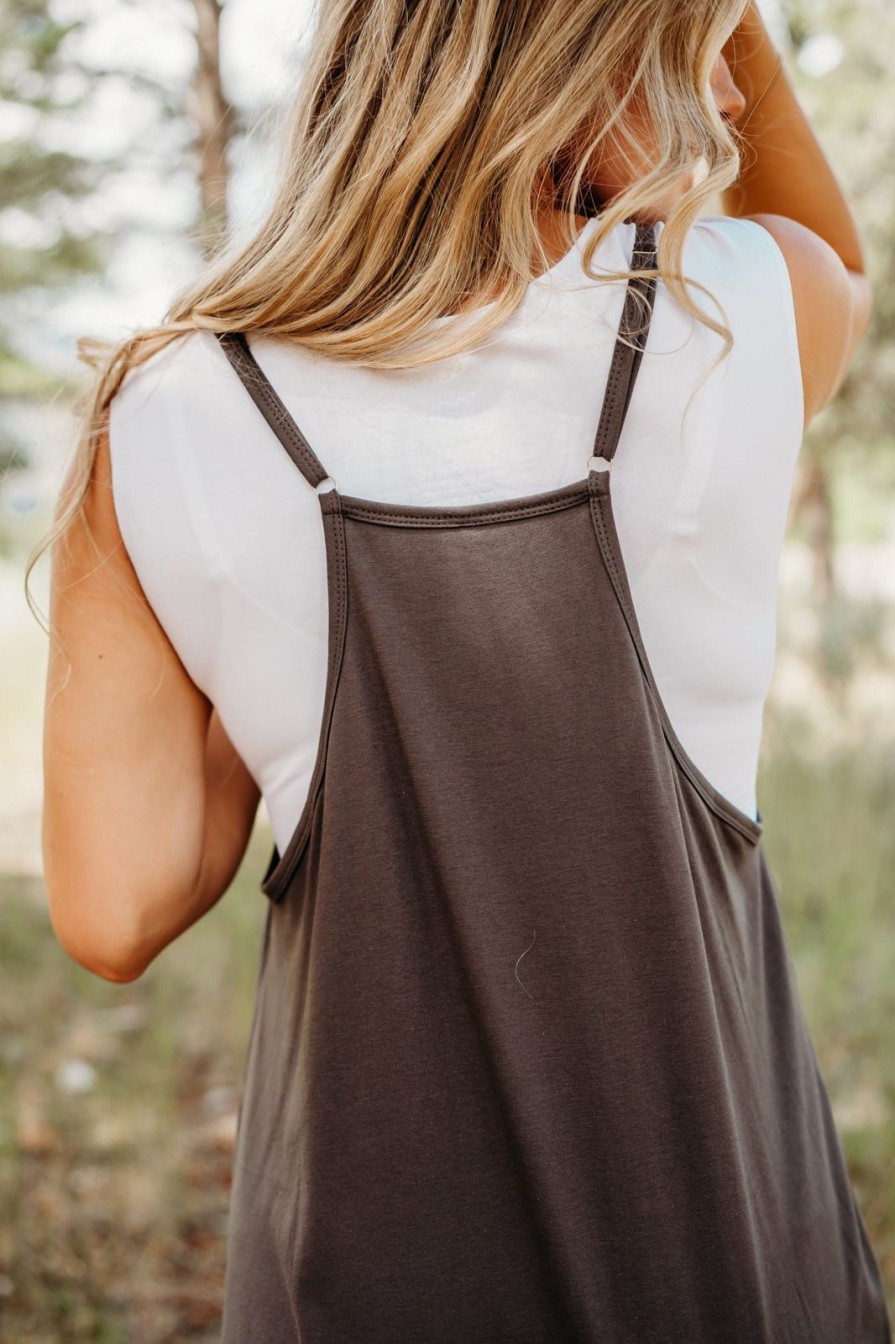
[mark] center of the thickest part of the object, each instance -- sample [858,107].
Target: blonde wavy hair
[408,180]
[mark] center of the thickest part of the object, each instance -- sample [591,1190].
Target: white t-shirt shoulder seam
[226,537]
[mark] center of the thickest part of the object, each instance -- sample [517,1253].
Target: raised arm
[788,186]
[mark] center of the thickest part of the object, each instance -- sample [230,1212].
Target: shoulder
[189,369]
[745,268]
[831,303]
[745,273]
[749,267]
[164,424]
[169,417]
[734,250]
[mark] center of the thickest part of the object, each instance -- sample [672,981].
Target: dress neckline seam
[447,515]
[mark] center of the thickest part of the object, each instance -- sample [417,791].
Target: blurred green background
[122,157]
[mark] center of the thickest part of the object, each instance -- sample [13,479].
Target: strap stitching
[625,358]
[447,519]
[271,405]
[709,793]
[294,851]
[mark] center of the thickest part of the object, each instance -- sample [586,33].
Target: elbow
[118,963]
[117,969]
[114,974]
[109,948]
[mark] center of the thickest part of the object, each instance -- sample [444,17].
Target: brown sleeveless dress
[528,1062]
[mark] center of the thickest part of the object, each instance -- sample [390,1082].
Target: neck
[551,224]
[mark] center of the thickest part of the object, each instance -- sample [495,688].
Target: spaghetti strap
[626,359]
[270,404]
[623,371]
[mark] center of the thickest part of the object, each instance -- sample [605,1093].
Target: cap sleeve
[745,268]
[160,506]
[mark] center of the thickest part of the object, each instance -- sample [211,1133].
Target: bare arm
[787,185]
[147,807]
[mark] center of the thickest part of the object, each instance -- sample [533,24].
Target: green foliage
[40,80]
[31,44]
[39,183]
[23,380]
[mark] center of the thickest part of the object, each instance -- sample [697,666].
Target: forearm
[231,799]
[784,169]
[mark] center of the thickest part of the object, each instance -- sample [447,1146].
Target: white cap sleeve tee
[226,537]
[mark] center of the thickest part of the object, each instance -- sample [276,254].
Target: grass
[830,838]
[115,1197]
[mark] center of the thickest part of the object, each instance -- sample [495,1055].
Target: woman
[527,1060]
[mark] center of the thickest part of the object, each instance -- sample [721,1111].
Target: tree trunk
[213,119]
